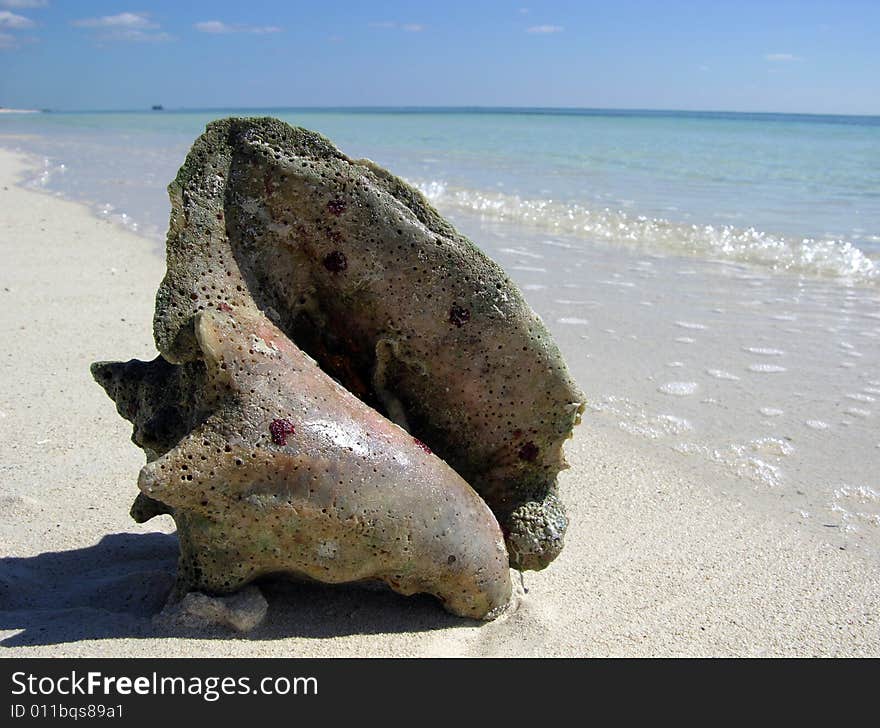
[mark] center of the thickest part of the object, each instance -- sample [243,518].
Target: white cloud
[137,36]
[212,26]
[13,21]
[545,29]
[23,4]
[218,27]
[406,27]
[782,57]
[140,21]
[125,27]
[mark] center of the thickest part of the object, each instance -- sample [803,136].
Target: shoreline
[30,165]
[655,562]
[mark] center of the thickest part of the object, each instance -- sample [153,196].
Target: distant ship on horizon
[158,107]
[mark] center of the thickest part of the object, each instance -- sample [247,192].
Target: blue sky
[788,56]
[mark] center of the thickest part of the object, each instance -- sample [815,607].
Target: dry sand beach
[655,563]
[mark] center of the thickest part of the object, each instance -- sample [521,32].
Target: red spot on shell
[336,207]
[529,452]
[422,445]
[458,315]
[223,306]
[280,429]
[335,262]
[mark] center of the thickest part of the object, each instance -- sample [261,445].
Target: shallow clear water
[711,278]
[785,191]
[764,385]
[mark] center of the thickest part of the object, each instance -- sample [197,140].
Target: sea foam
[827,257]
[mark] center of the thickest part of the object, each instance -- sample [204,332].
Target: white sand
[655,563]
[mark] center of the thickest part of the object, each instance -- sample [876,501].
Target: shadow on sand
[114,588]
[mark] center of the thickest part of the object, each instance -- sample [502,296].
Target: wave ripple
[824,257]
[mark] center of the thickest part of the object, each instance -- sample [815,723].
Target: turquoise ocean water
[793,192]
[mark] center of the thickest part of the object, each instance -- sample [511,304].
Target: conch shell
[358,269]
[289,473]
[321,331]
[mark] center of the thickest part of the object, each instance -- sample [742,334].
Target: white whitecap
[771,411]
[721,374]
[771,446]
[690,325]
[678,389]
[673,424]
[766,368]
[859,397]
[523,253]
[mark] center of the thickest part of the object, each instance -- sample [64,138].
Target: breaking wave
[824,257]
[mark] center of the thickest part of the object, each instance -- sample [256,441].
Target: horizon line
[464,107]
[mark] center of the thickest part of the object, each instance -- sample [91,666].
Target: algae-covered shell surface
[290,473]
[362,273]
[276,235]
